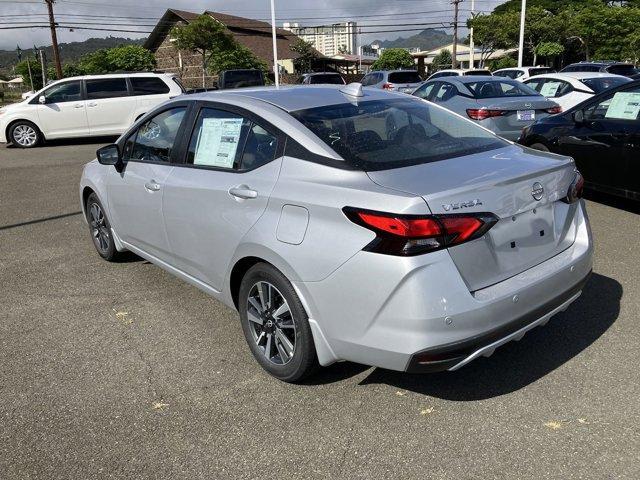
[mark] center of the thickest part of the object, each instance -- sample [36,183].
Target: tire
[100,230]
[539,146]
[24,134]
[276,320]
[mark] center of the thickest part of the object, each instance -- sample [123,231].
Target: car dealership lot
[113,370]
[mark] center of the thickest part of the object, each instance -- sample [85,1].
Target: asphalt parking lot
[123,371]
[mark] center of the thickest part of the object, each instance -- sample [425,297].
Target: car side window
[106,88]
[148,86]
[154,140]
[621,105]
[445,92]
[227,140]
[424,91]
[63,92]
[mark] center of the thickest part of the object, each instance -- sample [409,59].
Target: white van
[92,105]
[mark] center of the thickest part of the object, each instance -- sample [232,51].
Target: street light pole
[522,19]
[276,70]
[54,39]
[472,59]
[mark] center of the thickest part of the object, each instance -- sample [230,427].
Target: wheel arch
[86,191]
[16,120]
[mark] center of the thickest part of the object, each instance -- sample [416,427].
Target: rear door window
[424,90]
[148,86]
[106,88]
[445,92]
[550,88]
[227,140]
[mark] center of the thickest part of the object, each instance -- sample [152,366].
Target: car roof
[311,74]
[296,97]
[117,75]
[569,76]
[479,78]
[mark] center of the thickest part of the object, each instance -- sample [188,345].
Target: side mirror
[578,116]
[110,155]
[42,99]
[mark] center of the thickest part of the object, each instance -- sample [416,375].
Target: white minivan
[92,105]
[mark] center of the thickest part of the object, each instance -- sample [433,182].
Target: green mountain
[425,40]
[69,52]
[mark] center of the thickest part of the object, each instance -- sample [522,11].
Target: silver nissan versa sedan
[345,223]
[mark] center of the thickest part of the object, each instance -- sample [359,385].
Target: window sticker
[550,89]
[624,106]
[218,142]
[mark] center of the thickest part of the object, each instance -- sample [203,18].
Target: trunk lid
[501,182]
[531,108]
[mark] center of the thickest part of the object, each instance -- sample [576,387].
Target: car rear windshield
[386,134]
[622,69]
[474,73]
[243,78]
[540,71]
[603,83]
[404,77]
[500,88]
[331,78]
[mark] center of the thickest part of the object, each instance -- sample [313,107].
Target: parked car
[569,89]
[502,105]
[346,223]
[602,134]
[240,78]
[395,80]
[460,72]
[617,68]
[327,78]
[92,105]
[523,73]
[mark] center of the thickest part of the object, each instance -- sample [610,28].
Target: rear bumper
[395,313]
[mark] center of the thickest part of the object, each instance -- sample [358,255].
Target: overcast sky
[371,14]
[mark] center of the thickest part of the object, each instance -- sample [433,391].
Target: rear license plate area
[526,115]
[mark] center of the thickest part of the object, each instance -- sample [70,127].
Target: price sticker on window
[624,106]
[218,142]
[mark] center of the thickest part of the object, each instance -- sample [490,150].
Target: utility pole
[454,50]
[522,19]
[472,59]
[54,39]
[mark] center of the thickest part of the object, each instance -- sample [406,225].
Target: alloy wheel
[271,323]
[99,229]
[25,135]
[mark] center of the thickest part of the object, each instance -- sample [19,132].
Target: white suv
[91,105]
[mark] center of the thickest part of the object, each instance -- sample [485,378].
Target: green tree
[494,32]
[205,36]
[393,58]
[442,60]
[502,62]
[238,56]
[130,58]
[549,50]
[22,69]
[306,55]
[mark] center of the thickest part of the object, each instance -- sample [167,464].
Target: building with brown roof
[253,34]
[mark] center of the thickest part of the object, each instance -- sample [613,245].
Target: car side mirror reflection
[42,99]
[110,155]
[578,116]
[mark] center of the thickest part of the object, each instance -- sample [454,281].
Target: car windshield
[385,134]
[601,84]
[404,77]
[332,78]
[499,89]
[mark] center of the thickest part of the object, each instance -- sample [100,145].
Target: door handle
[243,192]
[92,104]
[152,186]
[78,105]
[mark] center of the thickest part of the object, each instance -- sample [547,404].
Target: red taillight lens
[554,110]
[484,113]
[388,86]
[576,189]
[407,235]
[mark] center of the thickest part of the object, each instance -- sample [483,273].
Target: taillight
[575,189]
[554,110]
[388,86]
[407,235]
[484,113]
